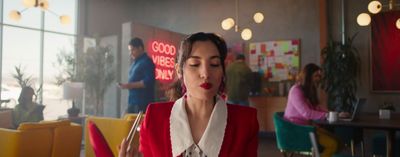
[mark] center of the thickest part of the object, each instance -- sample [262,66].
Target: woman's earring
[183,87]
[221,89]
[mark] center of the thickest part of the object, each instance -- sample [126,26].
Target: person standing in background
[238,81]
[141,79]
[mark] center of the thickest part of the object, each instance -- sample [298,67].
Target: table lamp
[73,91]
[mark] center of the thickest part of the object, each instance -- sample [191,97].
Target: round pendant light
[258,17]
[246,34]
[363,19]
[374,7]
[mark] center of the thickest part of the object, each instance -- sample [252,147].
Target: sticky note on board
[284,46]
[295,61]
[252,48]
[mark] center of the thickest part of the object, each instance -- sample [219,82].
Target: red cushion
[98,142]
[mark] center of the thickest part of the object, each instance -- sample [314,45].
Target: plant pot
[73,112]
[384,114]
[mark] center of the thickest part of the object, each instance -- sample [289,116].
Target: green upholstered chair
[292,138]
[295,139]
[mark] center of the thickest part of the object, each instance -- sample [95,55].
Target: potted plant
[73,111]
[385,110]
[24,80]
[94,68]
[341,67]
[66,63]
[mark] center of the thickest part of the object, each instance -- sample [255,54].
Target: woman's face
[202,72]
[316,77]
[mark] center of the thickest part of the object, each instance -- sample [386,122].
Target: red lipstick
[206,86]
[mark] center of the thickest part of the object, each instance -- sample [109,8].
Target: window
[61,7]
[54,44]
[21,48]
[32,43]
[30,18]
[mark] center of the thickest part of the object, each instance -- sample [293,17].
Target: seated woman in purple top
[303,106]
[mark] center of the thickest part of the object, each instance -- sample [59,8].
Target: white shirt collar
[211,141]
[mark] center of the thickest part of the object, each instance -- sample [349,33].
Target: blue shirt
[142,69]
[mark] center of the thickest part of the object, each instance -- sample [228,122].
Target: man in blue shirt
[141,78]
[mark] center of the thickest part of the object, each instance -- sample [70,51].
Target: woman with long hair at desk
[200,123]
[303,106]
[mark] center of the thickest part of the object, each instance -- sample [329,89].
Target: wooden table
[372,121]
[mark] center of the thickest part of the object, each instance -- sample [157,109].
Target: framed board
[275,60]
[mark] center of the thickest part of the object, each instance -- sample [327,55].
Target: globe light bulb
[15,15]
[363,19]
[227,23]
[258,17]
[29,3]
[44,4]
[246,34]
[374,7]
[398,23]
[65,19]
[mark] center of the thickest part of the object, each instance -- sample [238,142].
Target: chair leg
[353,153]
[362,148]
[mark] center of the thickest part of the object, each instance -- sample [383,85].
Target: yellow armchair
[44,139]
[113,130]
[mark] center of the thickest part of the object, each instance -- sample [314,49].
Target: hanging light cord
[52,12]
[23,10]
[237,16]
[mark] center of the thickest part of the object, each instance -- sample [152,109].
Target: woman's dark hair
[174,90]
[26,95]
[186,50]
[305,79]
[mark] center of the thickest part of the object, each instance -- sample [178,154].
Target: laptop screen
[360,102]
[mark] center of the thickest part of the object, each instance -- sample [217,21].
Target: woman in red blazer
[200,123]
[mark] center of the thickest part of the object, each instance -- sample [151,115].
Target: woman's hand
[125,150]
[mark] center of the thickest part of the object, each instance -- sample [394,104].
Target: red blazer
[241,132]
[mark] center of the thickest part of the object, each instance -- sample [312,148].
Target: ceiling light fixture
[246,33]
[398,23]
[374,7]
[363,19]
[43,5]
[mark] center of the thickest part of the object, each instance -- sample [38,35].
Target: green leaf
[341,68]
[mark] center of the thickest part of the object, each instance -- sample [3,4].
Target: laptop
[356,109]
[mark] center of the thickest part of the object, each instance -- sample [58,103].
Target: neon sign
[163,48]
[163,55]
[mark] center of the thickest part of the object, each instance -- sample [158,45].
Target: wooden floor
[267,146]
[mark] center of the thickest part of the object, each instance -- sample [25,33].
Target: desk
[372,121]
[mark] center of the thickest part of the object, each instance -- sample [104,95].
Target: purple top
[299,109]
